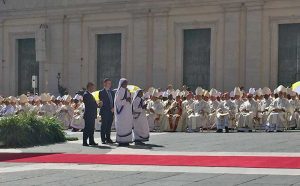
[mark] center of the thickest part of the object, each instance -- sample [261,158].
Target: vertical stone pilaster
[2,60]
[141,63]
[253,63]
[74,54]
[55,52]
[160,48]
[242,46]
[231,43]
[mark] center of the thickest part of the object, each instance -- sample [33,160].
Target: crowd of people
[167,110]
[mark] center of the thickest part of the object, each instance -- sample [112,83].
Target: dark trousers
[107,120]
[88,131]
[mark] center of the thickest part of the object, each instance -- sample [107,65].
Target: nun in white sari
[123,114]
[140,121]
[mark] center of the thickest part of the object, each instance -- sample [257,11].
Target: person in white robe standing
[140,121]
[123,114]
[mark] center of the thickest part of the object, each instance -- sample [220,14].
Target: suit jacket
[90,104]
[106,107]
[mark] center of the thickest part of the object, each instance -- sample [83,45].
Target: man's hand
[112,110]
[100,104]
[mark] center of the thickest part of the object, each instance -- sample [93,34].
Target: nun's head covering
[122,80]
[136,93]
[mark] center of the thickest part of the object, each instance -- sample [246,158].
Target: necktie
[110,98]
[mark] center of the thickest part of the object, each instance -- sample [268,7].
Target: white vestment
[154,119]
[214,105]
[199,118]
[78,121]
[247,115]
[294,120]
[187,108]
[123,115]
[278,120]
[140,122]
[265,103]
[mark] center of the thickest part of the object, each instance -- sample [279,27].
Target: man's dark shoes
[94,144]
[110,141]
[85,144]
[104,142]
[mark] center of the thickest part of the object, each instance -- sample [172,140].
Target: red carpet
[162,160]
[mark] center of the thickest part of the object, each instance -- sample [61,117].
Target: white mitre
[252,91]
[281,88]
[266,91]
[258,92]
[199,91]
[237,91]
[213,92]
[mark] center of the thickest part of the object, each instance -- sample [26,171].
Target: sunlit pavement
[258,144]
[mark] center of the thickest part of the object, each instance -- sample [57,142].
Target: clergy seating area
[182,110]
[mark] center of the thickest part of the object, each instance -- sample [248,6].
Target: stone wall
[244,46]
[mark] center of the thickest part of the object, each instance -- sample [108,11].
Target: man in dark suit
[90,114]
[107,97]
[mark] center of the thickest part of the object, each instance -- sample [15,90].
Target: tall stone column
[142,67]
[55,51]
[231,45]
[2,60]
[74,54]
[160,48]
[253,63]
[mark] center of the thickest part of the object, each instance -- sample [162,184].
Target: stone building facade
[210,43]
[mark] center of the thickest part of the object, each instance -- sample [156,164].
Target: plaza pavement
[285,144]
